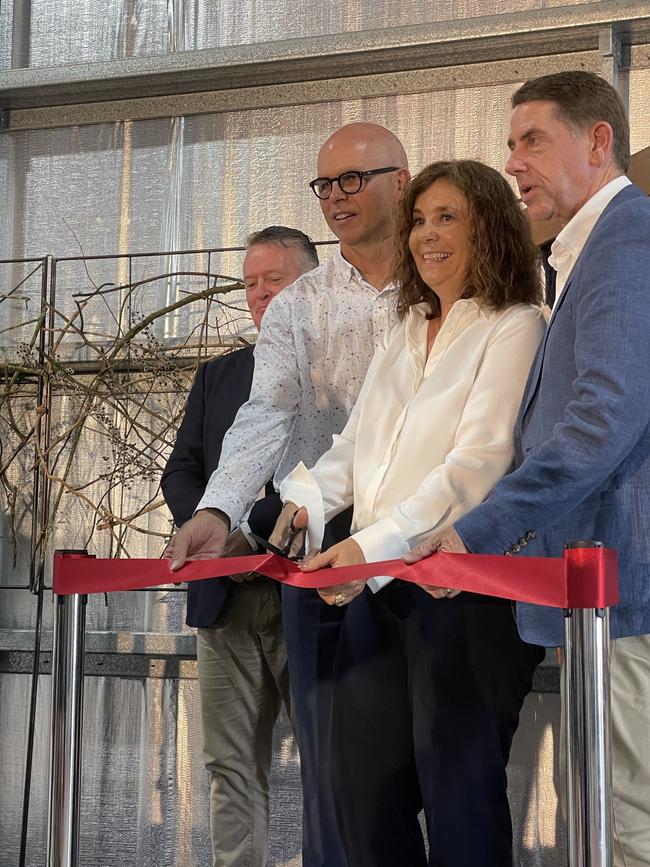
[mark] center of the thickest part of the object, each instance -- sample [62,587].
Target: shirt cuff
[246,532]
[207,502]
[300,487]
[382,540]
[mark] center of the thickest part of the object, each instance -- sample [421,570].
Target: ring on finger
[339,599]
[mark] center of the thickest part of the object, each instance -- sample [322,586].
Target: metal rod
[152,254]
[36,577]
[66,730]
[31,729]
[588,735]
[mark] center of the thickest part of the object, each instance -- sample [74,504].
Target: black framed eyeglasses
[349,182]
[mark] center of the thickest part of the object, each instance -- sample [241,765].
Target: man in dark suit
[582,437]
[242,658]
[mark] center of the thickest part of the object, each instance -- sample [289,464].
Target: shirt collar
[421,309]
[570,241]
[346,271]
[343,268]
[465,307]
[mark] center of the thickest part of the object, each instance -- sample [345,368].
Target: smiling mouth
[435,257]
[343,216]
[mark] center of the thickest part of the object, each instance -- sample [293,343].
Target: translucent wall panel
[144,186]
[93,30]
[21,285]
[75,31]
[6,19]
[17,458]
[639,97]
[112,188]
[144,792]
[85,190]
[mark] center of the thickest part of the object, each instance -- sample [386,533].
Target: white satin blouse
[428,438]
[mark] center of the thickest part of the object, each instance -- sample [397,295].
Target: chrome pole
[588,734]
[66,730]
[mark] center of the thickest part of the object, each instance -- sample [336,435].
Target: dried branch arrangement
[93,381]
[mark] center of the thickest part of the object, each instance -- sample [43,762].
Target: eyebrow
[439,208]
[529,132]
[273,272]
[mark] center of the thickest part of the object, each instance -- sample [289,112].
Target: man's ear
[403,177]
[601,143]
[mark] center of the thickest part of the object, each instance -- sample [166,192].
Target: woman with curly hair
[427,691]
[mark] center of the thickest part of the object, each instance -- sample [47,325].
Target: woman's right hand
[290,529]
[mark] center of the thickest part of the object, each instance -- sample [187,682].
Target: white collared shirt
[428,437]
[316,342]
[569,243]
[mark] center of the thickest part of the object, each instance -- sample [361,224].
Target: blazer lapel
[536,370]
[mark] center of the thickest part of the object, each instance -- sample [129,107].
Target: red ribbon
[583,578]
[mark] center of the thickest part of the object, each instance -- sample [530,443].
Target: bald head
[363,218]
[364,143]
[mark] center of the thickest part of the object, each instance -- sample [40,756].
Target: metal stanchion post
[588,738]
[66,728]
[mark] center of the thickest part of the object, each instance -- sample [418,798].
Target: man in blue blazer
[242,658]
[582,466]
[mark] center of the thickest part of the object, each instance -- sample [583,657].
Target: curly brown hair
[504,265]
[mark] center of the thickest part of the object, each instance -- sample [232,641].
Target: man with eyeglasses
[314,348]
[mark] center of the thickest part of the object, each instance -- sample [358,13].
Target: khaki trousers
[243,679]
[630,673]
[630,692]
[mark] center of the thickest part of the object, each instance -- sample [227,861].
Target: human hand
[203,537]
[290,529]
[446,542]
[346,553]
[237,545]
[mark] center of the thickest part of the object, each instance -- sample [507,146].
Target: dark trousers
[311,630]
[426,700]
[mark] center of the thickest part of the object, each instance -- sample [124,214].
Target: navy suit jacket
[582,438]
[220,388]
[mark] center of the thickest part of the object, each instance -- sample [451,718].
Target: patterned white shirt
[315,345]
[429,436]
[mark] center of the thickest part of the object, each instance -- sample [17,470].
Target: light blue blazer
[582,437]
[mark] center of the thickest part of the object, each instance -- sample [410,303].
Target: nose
[262,288]
[514,165]
[337,193]
[427,232]
[259,290]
